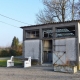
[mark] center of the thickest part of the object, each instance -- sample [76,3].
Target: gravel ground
[35,73]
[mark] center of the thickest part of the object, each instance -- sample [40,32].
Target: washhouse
[56,44]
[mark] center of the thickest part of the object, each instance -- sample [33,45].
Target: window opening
[32,34]
[47,33]
[64,32]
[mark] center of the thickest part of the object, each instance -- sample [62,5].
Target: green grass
[17,62]
[3,63]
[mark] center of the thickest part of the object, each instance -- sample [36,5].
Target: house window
[32,34]
[65,31]
[47,33]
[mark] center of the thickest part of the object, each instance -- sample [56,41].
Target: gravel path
[35,73]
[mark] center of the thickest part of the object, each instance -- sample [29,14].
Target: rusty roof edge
[50,23]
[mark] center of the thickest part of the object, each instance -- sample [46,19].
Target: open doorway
[47,51]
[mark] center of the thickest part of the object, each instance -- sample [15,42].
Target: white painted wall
[31,48]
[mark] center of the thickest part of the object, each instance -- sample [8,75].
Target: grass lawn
[3,63]
[17,62]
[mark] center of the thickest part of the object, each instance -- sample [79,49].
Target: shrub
[10,52]
[34,61]
[4,53]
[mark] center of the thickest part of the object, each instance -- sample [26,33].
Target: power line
[13,19]
[9,24]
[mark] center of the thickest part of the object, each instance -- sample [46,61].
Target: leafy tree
[13,52]
[19,50]
[57,11]
[16,47]
[15,43]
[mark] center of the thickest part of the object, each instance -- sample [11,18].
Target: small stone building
[54,43]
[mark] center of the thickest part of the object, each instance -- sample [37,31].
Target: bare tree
[55,10]
[59,11]
[77,10]
[72,9]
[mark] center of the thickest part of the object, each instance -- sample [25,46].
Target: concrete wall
[79,31]
[71,49]
[79,37]
[31,48]
[52,26]
[79,42]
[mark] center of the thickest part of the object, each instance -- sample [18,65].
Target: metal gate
[59,55]
[64,53]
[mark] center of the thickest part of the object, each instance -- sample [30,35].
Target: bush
[10,52]
[18,53]
[34,61]
[4,53]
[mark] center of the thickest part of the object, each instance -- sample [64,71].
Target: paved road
[35,73]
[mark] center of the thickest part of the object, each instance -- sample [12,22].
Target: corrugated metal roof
[50,23]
